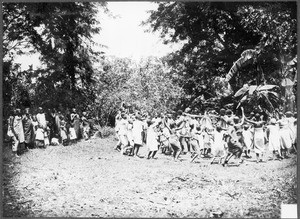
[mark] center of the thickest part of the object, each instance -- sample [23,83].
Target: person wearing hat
[18,131]
[274,138]
[259,137]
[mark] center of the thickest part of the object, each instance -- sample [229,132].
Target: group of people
[217,135]
[41,129]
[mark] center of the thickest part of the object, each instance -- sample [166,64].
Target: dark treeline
[213,34]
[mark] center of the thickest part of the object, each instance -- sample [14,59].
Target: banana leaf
[242,101]
[247,56]
[252,88]
[287,82]
[266,87]
[242,91]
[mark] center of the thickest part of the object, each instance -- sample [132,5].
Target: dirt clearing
[91,179]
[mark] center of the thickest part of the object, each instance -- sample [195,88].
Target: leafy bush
[107,131]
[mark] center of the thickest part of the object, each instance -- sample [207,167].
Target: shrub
[107,131]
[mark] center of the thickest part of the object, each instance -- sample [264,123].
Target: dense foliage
[215,34]
[247,43]
[62,34]
[147,86]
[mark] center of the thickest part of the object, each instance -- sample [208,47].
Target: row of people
[43,129]
[222,135]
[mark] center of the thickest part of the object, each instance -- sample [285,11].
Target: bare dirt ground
[91,179]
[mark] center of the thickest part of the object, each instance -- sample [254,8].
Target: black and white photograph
[167,109]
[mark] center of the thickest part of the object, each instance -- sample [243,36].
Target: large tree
[62,34]
[215,34]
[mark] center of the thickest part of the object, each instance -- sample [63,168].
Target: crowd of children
[38,130]
[216,135]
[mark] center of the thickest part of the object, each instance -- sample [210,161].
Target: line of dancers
[217,135]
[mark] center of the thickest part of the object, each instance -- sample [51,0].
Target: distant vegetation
[214,37]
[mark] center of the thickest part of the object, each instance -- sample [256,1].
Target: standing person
[28,129]
[122,130]
[40,136]
[137,130]
[85,125]
[47,135]
[248,139]
[35,127]
[10,120]
[145,127]
[274,138]
[130,136]
[164,138]
[259,137]
[57,123]
[219,145]
[63,131]
[18,132]
[41,132]
[152,143]
[75,120]
[183,125]
[295,127]
[72,132]
[207,127]
[196,141]
[50,118]
[52,124]
[291,124]
[41,118]
[174,140]
[118,118]
[234,139]
[286,138]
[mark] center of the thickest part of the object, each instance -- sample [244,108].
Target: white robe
[274,137]
[151,141]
